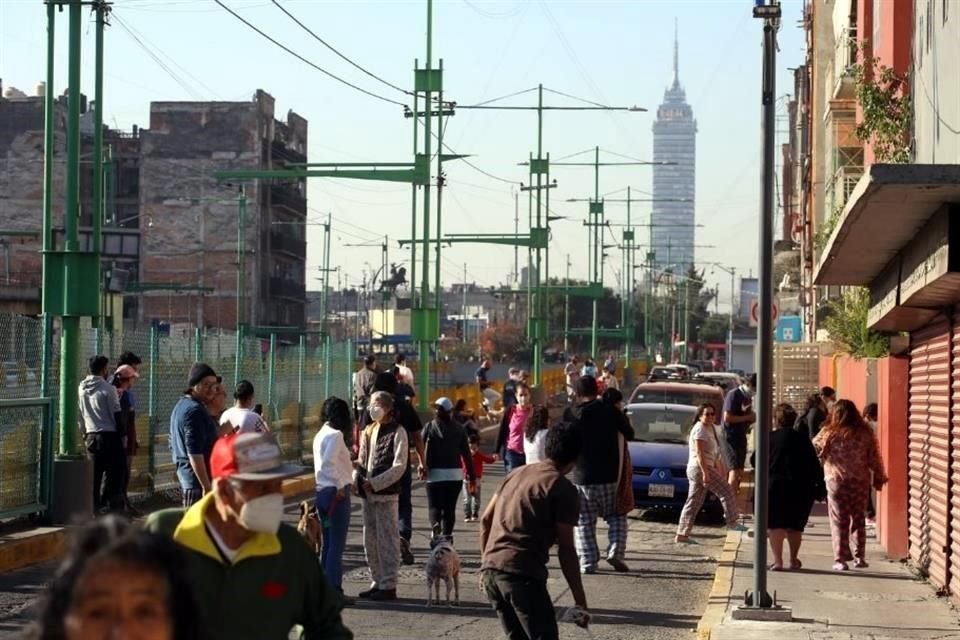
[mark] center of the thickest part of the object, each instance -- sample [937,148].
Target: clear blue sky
[617,53]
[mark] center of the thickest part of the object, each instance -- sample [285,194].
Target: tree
[847,325]
[504,340]
[886,110]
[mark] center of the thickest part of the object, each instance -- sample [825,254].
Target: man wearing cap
[383,459]
[123,379]
[447,454]
[193,432]
[253,577]
[101,421]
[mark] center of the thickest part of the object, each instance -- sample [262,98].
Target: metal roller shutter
[930,467]
[955,466]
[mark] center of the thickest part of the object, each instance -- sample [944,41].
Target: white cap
[443,402]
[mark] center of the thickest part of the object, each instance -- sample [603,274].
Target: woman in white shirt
[535,430]
[705,472]
[333,470]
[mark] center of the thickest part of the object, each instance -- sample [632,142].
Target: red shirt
[478,459]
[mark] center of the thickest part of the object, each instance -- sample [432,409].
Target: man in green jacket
[254,578]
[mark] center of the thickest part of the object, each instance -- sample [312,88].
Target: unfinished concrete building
[191,224]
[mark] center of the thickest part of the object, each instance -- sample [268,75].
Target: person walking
[333,472]
[193,433]
[406,373]
[254,577]
[510,387]
[535,429]
[705,472]
[465,417]
[447,455]
[812,419]
[512,424]
[241,416]
[851,462]
[596,476]
[409,419]
[796,481]
[363,385]
[123,379]
[609,378]
[102,423]
[471,499]
[738,415]
[535,508]
[871,413]
[572,373]
[383,460]
[489,394]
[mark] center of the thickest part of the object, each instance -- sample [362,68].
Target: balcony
[841,186]
[287,196]
[280,151]
[283,288]
[841,81]
[289,244]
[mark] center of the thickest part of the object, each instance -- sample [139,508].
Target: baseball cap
[198,372]
[250,456]
[444,402]
[126,371]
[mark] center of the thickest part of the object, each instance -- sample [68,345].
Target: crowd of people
[251,576]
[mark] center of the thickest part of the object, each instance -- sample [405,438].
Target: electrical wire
[160,63]
[341,55]
[509,95]
[305,60]
[584,100]
[496,16]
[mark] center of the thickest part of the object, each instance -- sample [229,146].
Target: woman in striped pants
[705,472]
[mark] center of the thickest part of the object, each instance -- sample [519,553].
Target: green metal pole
[566,310]
[198,344]
[538,288]
[70,325]
[271,370]
[152,403]
[423,344]
[241,236]
[98,183]
[413,213]
[546,258]
[46,353]
[238,355]
[326,274]
[326,366]
[626,301]
[436,285]
[596,250]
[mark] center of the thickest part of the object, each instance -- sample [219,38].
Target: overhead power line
[305,60]
[341,55]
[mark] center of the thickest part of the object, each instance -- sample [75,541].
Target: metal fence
[292,374]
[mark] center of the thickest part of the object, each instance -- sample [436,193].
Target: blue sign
[789,329]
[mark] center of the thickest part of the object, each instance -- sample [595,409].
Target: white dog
[443,563]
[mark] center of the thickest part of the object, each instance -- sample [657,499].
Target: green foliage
[886,119]
[826,229]
[847,324]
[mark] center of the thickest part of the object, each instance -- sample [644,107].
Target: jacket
[598,424]
[447,447]
[99,406]
[384,458]
[274,583]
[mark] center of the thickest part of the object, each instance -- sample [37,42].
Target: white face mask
[747,390]
[263,514]
[376,412]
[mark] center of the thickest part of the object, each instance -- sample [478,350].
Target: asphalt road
[661,598]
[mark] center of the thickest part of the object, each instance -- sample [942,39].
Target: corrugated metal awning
[889,205]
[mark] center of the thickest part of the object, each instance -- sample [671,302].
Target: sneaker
[384,594]
[860,563]
[368,593]
[840,566]
[589,571]
[468,519]
[618,565]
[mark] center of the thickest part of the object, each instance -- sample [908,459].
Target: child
[471,501]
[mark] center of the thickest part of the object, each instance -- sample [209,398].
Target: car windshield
[672,396]
[660,424]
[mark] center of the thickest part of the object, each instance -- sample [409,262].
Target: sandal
[795,565]
[775,567]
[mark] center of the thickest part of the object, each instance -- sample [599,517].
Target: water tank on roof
[13,92]
[41,89]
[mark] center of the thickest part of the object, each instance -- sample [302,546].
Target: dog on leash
[443,563]
[309,525]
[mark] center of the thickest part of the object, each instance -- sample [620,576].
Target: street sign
[789,329]
[755,312]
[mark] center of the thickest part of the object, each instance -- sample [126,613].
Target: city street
[660,599]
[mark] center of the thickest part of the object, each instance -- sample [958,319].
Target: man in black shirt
[596,476]
[409,419]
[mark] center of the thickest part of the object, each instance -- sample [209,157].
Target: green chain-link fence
[292,374]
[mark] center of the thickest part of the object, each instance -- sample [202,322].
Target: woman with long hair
[795,483]
[118,581]
[510,437]
[705,472]
[535,430]
[333,472]
[851,462]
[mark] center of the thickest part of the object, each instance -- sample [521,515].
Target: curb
[719,598]
[43,544]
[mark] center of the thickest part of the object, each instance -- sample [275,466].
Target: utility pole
[516,232]
[463,312]
[769,12]
[566,310]
[241,277]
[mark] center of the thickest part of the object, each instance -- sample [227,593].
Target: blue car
[659,453]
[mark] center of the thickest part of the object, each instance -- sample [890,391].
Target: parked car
[677,392]
[19,381]
[727,381]
[659,453]
[661,373]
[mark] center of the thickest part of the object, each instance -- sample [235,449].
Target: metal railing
[283,241]
[841,185]
[282,195]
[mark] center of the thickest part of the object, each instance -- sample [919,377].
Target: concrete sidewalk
[880,602]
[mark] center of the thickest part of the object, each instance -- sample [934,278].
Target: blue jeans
[512,460]
[471,503]
[406,504]
[334,533]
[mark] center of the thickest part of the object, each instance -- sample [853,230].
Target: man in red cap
[254,577]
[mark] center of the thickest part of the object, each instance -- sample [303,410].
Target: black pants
[405,505]
[442,500]
[523,605]
[105,449]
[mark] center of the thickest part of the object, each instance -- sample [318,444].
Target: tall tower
[674,185]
